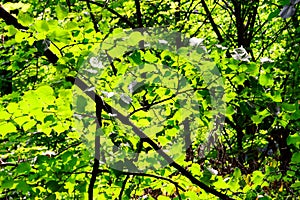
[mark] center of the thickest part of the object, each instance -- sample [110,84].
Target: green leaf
[237,173]
[276,97]
[44,128]
[61,12]
[81,103]
[53,185]
[266,80]
[296,158]
[239,79]
[41,26]
[51,197]
[23,187]
[21,120]
[256,119]
[25,19]
[19,37]
[7,183]
[134,38]
[163,140]
[161,197]
[149,57]
[135,58]
[192,195]
[296,115]
[294,139]
[221,184]
[29,125]
[4,115]
[23,167]
[70,25]
[143,122]
[229,110]
[11,30]
[289,107]
[253,69]
[7,128]
[257,178]
[45,95]
[296,185]
[152,130]
[59,128]
[283,2]
[148,68]
[264,113]
[45,90]
[195,169]
[30,41]
[273,14]
[16,6]
[171,132]
[60,35]
[117,51]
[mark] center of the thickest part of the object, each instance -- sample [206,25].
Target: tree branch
[5,164]
[114,69]
[138,13]
[123,187]
[11,20]
[214,25]
[92,16]
[99,107]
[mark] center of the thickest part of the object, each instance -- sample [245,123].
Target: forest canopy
[150,99]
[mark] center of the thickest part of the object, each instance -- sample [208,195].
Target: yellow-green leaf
[7,128]
[61,11]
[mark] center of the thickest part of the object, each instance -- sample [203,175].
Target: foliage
[45,154]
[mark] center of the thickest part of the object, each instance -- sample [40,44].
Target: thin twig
[157,177]
[123,187]
[92,16]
